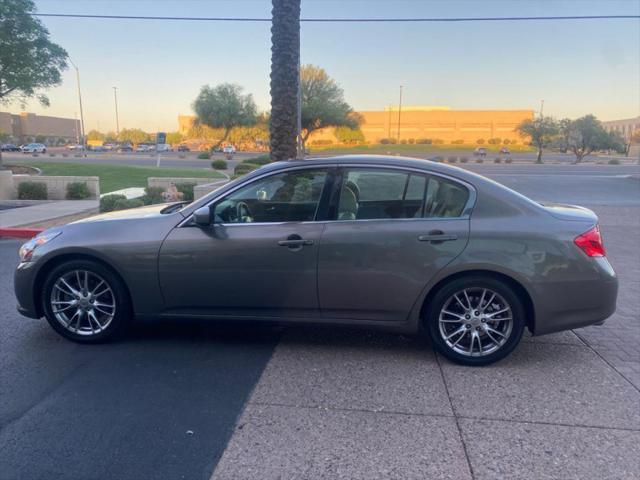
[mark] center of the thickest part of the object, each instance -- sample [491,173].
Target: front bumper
[24,282]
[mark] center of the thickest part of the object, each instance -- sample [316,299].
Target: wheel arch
[53,262]
[519,289]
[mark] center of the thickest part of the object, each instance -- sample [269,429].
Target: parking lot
[243,402]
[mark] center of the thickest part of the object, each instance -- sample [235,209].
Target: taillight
[591,242]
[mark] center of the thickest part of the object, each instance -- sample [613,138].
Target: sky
[576,67]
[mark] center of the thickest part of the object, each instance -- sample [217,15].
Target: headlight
[26,250]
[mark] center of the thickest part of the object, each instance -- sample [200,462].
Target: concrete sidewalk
[47,213]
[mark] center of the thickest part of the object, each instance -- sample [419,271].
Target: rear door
[393,230]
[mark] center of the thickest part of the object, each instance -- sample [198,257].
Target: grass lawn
[410,149]
[115,177]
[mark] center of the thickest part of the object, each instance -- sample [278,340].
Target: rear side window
[370,194]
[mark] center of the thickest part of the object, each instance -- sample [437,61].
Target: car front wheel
[476,320]
[85,302]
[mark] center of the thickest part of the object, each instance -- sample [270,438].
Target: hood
[132,213]
[570,212]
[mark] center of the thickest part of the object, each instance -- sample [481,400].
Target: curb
[20,232]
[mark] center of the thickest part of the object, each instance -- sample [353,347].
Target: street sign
[161,137]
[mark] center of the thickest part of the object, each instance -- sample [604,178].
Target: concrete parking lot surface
[333,403]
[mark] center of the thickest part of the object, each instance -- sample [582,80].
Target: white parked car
[143,148]
[34,148]
[163,147]
[229,149]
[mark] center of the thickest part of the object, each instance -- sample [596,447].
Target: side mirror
[202,216]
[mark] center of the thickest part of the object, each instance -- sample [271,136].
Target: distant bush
[495,141]
[244,168]
[78,191]
[479,160]
[349,135]
[457,142]
[322,141]
[32,191]
[614,161]
[388,141]
[424,141]
[108,202]
[219,164]
[438,141]
[124,204]
[187,191]
[480,141]
[452,159]
[204,156]
[403,141]
[411,141]
[153,195]
[497,160]
[259,160]
[506,141]
[464,160]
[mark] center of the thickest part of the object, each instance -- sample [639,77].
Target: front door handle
[436,236]
[294,242]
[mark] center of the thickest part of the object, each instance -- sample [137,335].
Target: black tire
[123,310]
[475,282]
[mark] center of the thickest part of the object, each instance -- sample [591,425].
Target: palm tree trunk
[285,55]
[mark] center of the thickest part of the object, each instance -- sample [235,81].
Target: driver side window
[284,197]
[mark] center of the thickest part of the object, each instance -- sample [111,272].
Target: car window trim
[466,211]
[328,186]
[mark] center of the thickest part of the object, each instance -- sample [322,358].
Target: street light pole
[399,112]
[79,101]
[115,99]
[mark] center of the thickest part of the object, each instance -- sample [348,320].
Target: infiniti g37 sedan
[397,243]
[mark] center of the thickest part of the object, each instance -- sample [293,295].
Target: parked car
[9,147]
[505,151]
[98,148]
[386,242]
[110,146]
[76,146]
[480,151]
[183,148]
[229,149]
[34,148]
[125,148]
[163,147]
[142,148]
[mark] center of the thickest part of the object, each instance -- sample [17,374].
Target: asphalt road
[160,404]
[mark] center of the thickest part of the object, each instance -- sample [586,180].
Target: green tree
[349,135]
[133,135]
[29,61]
[323,102]
[541,131]
[285,60]
[111,137]
[95,135]
[587,135]
[224,106]
[174,137]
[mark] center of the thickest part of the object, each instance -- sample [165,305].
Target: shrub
[244,168]
[107,203]
[259,160]
[480,141]
[204,156]
[411,141]
[153,195]
[124,204]
[614,161]
[403,141]
[187,191]
[495,141]
[349,135]
[437,141]
[219,164]
[457,142]
[506,141]
[424,141]
[78,191]
[452,159]
[388,141]
[464,160]
[32,191]
[322,142]
[497,160]
[479,160]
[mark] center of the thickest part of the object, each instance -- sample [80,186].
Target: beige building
[624,128]
[25,127]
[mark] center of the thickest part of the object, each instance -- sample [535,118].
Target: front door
[393,231]
[259,256]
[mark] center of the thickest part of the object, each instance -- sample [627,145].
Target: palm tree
[285,61]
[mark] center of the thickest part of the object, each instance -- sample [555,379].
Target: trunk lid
[570,212]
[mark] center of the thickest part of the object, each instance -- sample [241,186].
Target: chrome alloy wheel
[475,322]
[83,302]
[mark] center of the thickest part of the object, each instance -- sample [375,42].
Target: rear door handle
[437,236]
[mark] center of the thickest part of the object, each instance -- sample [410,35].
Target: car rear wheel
[85,302]
[475,320]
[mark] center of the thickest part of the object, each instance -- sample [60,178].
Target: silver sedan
[382,242]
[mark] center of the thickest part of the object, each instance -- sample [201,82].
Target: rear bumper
[575,304]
